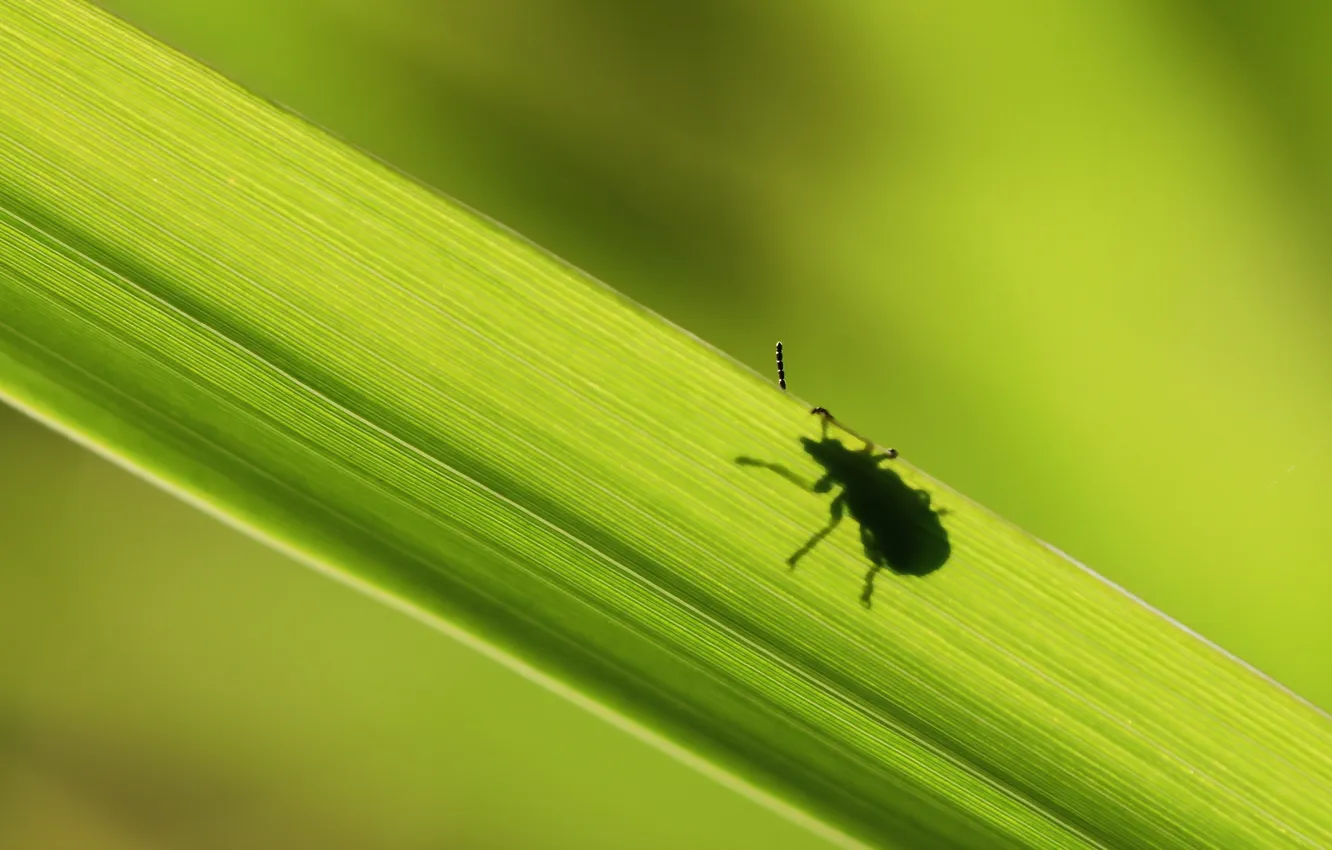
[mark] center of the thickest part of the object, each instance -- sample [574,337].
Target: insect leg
[835,512]
[825,417]
[828,419]
[875,555]
[869,586]
[779,469]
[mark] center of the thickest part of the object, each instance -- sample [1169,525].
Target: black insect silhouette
[899,528]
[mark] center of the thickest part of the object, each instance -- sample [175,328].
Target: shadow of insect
[899,529]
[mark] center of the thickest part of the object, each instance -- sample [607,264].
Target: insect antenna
[781,372]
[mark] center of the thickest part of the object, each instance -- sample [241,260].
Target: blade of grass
[424,405]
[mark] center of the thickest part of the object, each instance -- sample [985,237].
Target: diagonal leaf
[420,403]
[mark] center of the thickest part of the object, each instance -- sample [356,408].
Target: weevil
[899,528]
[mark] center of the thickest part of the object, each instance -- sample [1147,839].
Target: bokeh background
[1073,259]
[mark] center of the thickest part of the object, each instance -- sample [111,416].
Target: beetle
[899,527]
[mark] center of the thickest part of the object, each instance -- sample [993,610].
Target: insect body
[899,529]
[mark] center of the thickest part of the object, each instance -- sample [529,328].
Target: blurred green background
[1073,259]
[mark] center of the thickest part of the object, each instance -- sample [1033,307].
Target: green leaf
[422,404]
